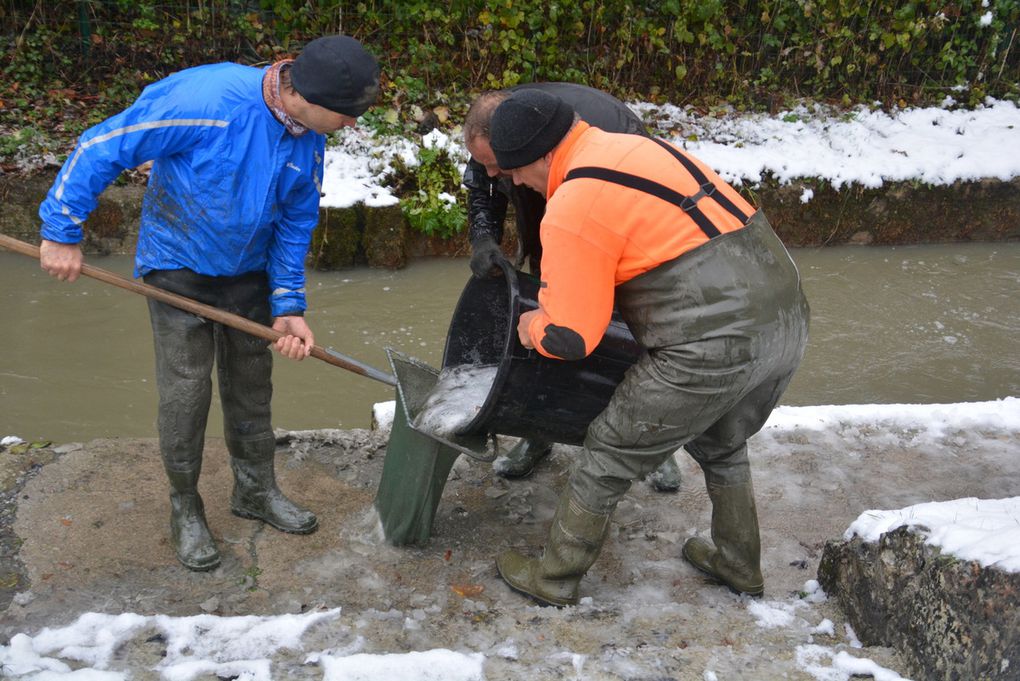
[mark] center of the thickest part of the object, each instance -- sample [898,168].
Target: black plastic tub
[533,396]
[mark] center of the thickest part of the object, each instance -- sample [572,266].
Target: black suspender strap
[707,188]
[688,204]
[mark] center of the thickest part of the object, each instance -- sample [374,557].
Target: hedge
[749,54]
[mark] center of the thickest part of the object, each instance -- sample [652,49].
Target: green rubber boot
[575,540]
[733,557]
[666,478]
[256,495]
[189,533]
[521,460]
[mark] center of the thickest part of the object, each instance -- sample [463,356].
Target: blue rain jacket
[230,192]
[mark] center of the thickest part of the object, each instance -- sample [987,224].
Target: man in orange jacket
[705,286]
[489,191]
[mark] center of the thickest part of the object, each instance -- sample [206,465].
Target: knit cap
[528,125]
[337,73]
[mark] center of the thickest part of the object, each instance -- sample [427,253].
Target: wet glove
[485,257]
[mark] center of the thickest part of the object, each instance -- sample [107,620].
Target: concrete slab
[93,531]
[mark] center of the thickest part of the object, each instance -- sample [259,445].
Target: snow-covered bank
[983,530]
[936,146]
[933,145]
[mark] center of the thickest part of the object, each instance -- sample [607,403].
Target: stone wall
[897,213]
[950,619]
[377,237]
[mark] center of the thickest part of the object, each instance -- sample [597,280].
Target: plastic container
[533,396]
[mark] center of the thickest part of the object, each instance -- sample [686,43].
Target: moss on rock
[895,213]
[337,240]
[385,237]
[949,618]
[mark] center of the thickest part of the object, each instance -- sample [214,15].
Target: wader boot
[733,557]
[256,495]
[666,478]
[575,540]
[521,460]
[189,534]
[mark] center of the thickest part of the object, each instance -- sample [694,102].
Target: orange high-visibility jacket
[615,210]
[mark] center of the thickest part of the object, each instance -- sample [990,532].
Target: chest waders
[725,326]
[520,461]
[186,348]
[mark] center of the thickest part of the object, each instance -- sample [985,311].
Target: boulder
[949,619]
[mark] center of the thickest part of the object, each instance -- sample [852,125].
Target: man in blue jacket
[490,191]
[227,219]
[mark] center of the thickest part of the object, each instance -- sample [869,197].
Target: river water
[913,324]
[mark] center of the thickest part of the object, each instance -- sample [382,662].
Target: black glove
[485,257]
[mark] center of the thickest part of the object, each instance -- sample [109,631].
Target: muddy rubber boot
[189,534]
[521,460]
[575,540]
[733,557]
[256,495]
[666,478]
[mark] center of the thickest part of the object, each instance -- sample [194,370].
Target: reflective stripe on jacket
[597,234]
[230,190]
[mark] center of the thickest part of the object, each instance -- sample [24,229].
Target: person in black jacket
[490,191]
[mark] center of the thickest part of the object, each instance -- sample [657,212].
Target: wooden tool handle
[208,311]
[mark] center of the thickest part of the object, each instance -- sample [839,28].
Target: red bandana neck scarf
[271,93]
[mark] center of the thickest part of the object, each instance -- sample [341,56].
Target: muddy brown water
[918,324]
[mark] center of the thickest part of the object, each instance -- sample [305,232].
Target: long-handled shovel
[214,314]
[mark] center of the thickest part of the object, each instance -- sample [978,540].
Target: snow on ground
[244,647]
[226,647]
[935,145]
[357,167]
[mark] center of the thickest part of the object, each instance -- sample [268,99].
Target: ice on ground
[842,665]
[431,665]
[239,647]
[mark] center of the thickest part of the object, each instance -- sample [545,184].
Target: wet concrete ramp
[93,530]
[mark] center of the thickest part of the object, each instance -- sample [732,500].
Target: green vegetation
[424,205]
[69,63]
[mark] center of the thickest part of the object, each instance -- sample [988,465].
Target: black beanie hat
[338,73]
[526,126]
